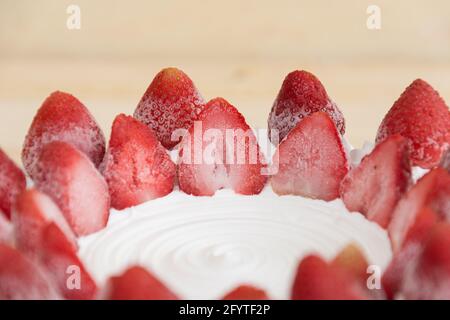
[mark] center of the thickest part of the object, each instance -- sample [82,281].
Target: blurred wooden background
[240,50]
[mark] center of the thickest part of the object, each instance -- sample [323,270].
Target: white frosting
[202,247]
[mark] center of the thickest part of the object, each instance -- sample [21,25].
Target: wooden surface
[239,50]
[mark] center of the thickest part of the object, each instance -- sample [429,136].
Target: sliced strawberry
[12,182]
[220,151]
[377,184]
[21,278]
[318,280]
[137,168]
[445,162]
[32,212]
[352,260]
[72,181]
[171,102]
[138,284]
[62,117]
[301,95]
[6,230]
[311,161]
[59,257]
[432,191]
[246,292]
[422,116]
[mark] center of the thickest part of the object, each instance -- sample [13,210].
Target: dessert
[221,217]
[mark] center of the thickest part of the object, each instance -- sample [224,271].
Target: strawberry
[422,116]
[246,292]
[6,230]
[220,151]
[171,102]
[377,184]
[137,283]
[72,181]
[59,257]
[432,191]
[301,95]
[311,160]
[418,231]
[318,280]
[32,212]
[62,117]
[353,260]
[445,162]
[21,278]
[137,168]
[12,182]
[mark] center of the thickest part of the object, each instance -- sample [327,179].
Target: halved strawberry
[12,182]
[62,117]
[246,292]
[422,116]
[21,278]
[71,180]
[432,191]
[59,257]
[353,261]
[6,230]
[407,255]
[377,184]
[220,151]
[137,283]
[318,280]
[301,95]
[32,212]
[137,168]
[311,161]
[171,102]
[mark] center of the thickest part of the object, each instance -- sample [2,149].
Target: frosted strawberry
[136,283]
[12,182]
[6,230]
[62,117]
[318,280]
[72,181]
[301,95]
[246,292]
[432,191]
[171,102]
[377,184]
[21,278]
[220,151]
[137,168]
[422,116]
[311,161]
[32,212]
[59,257]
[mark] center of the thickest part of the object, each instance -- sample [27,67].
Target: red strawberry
[301,95]
[311,161]
[353,261]
[445,162]
[376,185]
[32,212]
[72,181]
[138,284]
[432,191]
[6,230]
[319,280]
[62,117]
[422,116]
[246,292]
[59,257]
[171,102]
[220,151]
[137,168]
[21,278]
[12,182]
[407,255]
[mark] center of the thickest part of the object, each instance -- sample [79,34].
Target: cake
[187,201]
